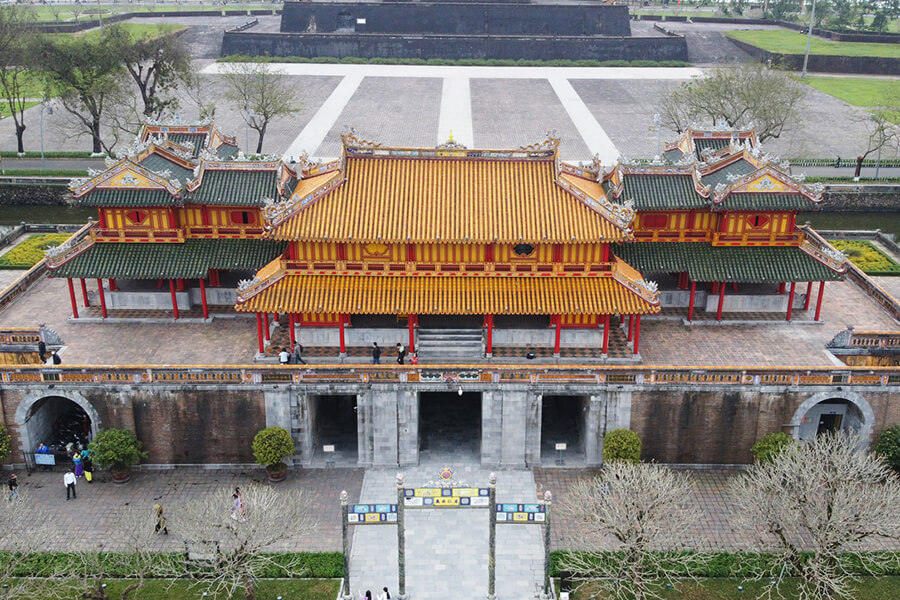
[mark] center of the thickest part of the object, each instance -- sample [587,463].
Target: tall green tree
[260,94]
[16,36]
[158,63]
[90,72]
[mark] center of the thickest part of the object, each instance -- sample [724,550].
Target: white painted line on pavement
[325,69]
[456,112]
[591,132]
[318,127]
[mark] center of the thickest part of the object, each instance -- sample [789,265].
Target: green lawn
[138,30]
[293,589]
[791,42]
[4,107]
[868,588]
[45,14]
[858,91]
[681,13]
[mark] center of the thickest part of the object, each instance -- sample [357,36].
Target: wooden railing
[145,235]
[652,377]
[303,266]
[875,339]
[19,335]
[744,239]
[242,231]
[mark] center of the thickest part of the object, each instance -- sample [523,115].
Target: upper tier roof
[449,196]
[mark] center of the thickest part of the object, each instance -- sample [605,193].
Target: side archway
[833,411]
[37,410]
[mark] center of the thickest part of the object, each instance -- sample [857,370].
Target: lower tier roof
[479,295]
[166,260]
[738,264]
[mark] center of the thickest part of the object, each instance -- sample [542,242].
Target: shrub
[887,446]
[271,445]
[622,444]
[116,449]
[30,251]
[867,257]
[770,445]
[5,443]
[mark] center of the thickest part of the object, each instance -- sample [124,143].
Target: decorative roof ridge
[586,172]
[657,169]
[620,215]
[171,151]
[83,186]
[265,277]
[634,281]
[276,212]
[812,192]
[823,252]
[355,147]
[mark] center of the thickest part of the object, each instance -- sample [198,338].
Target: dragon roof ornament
[62,248]
[650,286]
[550,142]
[245,284]
[349,138]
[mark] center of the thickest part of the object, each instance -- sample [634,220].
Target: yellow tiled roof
[458,295]
[449,200]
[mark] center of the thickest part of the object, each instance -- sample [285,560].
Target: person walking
[42,351]
[13,486]
[298,354]
[87,464]
[69,480]
[77,461]
[160,519]
[385,595]
[376,354]
[401,353]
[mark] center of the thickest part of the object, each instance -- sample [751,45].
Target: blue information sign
[521,513]
[371,514]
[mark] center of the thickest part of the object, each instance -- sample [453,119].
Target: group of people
[292,356]
[52,359]
[83,466]
[401,355]
[384,595]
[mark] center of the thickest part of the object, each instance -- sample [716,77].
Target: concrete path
[447,549]
[315,132]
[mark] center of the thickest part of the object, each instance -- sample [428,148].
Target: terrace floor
[232,341]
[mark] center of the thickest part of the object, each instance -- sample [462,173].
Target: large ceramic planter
[277,473]
[121,476]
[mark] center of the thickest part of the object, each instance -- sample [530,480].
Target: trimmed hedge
[44,173]
[48,154]
[320,565]
[465,62]
[30,251]
[865,255]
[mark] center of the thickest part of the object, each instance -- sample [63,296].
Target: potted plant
[270,446]
[117,450]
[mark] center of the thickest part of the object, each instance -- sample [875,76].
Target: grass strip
[464,62]
[781,41]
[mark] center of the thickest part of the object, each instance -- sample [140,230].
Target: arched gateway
[40,414]
[833,411]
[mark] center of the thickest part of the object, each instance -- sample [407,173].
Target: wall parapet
[452,375]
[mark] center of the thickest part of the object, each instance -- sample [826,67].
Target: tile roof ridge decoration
[276,212]
[83,239]
[615,177]
[632,279]
[353,146]
[620,215]
[204,126]
[269,275]
[768,179]
[819,249]
[663,170]
[171,152]
[81,186]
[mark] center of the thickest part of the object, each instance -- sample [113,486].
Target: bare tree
[236,542]
[157,63]
[813,506]
[260,94]
[16,33]
[25,531]
[633,520]
[196,88]
[741,97]
[882,126]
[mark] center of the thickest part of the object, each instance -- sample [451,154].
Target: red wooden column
[411,322]
[291,332]
[213,278]
[556,337]
[630,327]
[781,288]
[637,334]
[174,300]
[179,284]
[819,300]
[721,301]
[266,326]
[72,298]
[341,332]
[112,285]
[84,295]
[791,301]
[102,298]
[259,332]
[489,321]
[203,298]
[691,304]
[605,335]
[808,295]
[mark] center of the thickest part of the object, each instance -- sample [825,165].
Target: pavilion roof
[126,184]
[458,295]
[452,196]
[238,183]
[740,264]
[189,260]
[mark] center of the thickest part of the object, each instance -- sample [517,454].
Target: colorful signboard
[521,513]
[460,497]
[372,514]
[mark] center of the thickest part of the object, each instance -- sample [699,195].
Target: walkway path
[447,549]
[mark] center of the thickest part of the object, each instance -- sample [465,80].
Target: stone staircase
[450,344]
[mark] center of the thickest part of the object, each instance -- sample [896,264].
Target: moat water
[887,222]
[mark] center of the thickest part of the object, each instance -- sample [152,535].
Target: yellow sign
[446,501]
[428,492]
[373,517]
[465,492]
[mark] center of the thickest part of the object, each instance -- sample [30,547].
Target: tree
[238,545]
[887,446]
[158,64]
[117,450]
[813,506]
[260,94]
[765,449]
[625,517]
[16,35]
[740,97]
[622,444]
[5,443]
[882,132]
[90,73]
[270,446]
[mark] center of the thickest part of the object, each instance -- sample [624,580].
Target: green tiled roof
[197,139]
[662,192]
[226,151]
[190,260]
[738,168]
[715,144]
[235,188]
[740,264]
[125,197]
[159,164]
[762,201]
[673,155]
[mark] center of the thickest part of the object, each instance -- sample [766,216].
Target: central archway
[833,411]
[55,419]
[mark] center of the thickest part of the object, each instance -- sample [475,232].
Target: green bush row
[320,565]
[44,173]
[845,162]
[54,154]
[465,62]
[862,180]
[747,565]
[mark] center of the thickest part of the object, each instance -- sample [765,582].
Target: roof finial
[450,139]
